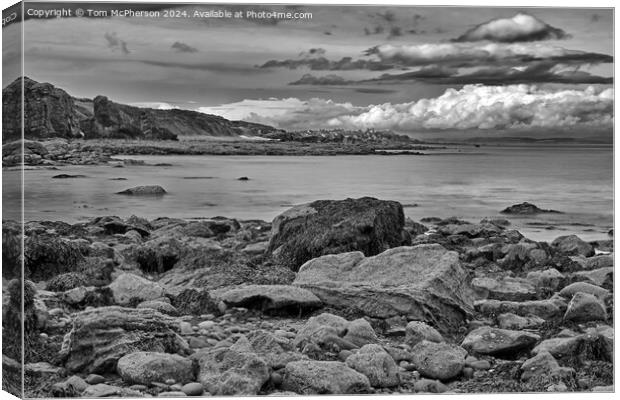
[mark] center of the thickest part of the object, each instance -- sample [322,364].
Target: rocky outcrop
[424,283]
[526,208]
[331,227]
[148,190]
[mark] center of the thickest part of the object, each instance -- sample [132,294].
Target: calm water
[471,183]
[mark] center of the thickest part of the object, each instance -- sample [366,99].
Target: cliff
[52,112]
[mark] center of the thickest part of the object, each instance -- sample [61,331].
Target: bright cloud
[520,28]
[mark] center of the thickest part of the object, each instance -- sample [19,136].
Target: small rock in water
[243,178]
[149,190]
[66,176]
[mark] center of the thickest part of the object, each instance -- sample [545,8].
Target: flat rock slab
[270,298]
[130,287]
[498,342]
[424,283]
[508,288]
[149,190]
[541,308]
[323,377]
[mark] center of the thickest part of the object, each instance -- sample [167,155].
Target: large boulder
[336,226]
[147,367]
[585,307]
[423,283]
[572,245]
[270,298]
[323,377]
[101,336]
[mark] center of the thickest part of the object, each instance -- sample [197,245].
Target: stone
[516,322]
[129,287]
[42,369]
[236,370]
[599,277]
[94,379]
[101,336]
[374,362]
[417,331]
[543,364]
[104,390]
[585,307]
[429,386]
[498,342]
[424,283]
[336,226]
[326,330]
[584,287]
[148,190]
[146,367]
[549,278]
[572,245]
[508,288]
[172,394]
[323,377]
[559,346]
[359,332]
[526,208]
[438,360]
[161,306]
[544,309]
[71,387]
[255,249]
[270,298]
[193,389]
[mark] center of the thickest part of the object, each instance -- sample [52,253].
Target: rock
[374,362]
[332,227]
[256,248]
[585,307]
[231,371]
[129,287]
[327,330]
[161,306]
[438,360]
[148,190]
[572,245]
[276,351]
[609,388]
[146,367]
[101,336]
[71,387]
[550,278]
[526,208]
[103,390]
[599,277]
[323,377]
[243,178]
[193,389]
[544,309]
[42,369]
[195,302]
[543,364]
[172,394]
[583,287]
[508,288]
[424,283]
[516,322]
[559,346]
[417,331]
[94,379]
[498,342]
[429,386]
[271,298]
[67,176]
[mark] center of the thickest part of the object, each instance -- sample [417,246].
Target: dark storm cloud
[309,79]
[183,47]
[114,42]
[520,28]
[324,64]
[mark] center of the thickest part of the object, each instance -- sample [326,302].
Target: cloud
[520,28]
[472,107]
[309,79]
[323,64]
[183,47]
[115,43]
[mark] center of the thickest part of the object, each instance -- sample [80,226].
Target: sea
[468,182]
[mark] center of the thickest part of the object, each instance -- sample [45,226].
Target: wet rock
[498,342]
[149,190]
[508,288]
[147,367]
[424,283]
[438,360]
[323,377]
[129,287]
[585,307]
[193,389]
[374,362]
[526,208]
[417,331]
[271,298]
[67,176]
[332,227]
[572,245]
[583,287]
[516,322]
[543,364]
[101,336]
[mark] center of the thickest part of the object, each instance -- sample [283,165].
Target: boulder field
[333,297]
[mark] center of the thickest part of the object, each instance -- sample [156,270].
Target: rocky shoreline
[61,152]
[333,297]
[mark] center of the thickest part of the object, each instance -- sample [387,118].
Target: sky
[405,69]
